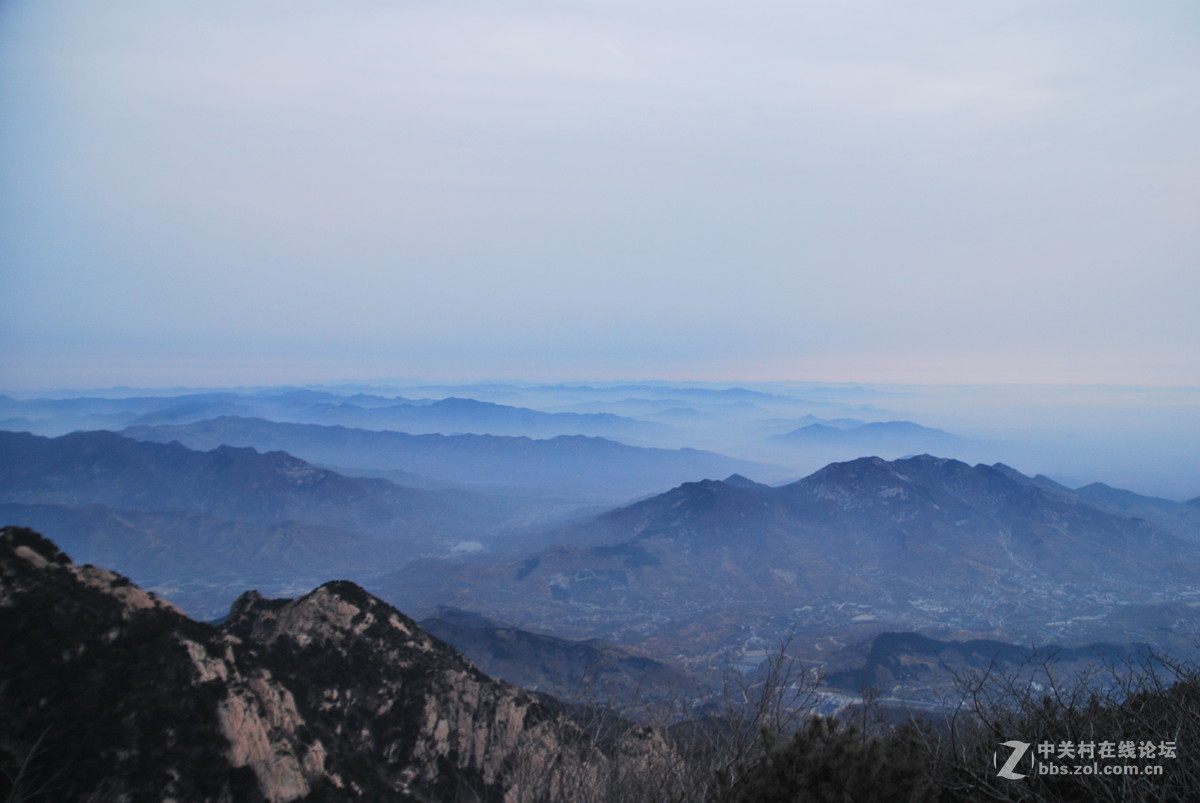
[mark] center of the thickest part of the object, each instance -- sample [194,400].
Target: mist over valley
[649,543]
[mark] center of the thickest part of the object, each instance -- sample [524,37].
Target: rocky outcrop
[110,692]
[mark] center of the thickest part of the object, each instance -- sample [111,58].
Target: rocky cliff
[109,692]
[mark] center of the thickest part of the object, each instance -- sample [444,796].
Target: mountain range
[168,514]
[878,438]
[235,483]
[457,415]
[708,572]
[449,415]
[586,468]
[713,568]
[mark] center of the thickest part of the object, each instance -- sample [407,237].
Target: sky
[933,191]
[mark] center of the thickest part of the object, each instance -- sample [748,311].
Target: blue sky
[257,192]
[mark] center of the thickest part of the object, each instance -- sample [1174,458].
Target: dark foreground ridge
[110,693]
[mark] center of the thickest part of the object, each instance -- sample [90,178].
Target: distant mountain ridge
[164,513]
[455,415]
[575,464]
[1182,519]
[916,543]
[869,438]
[236,483]
[451,415]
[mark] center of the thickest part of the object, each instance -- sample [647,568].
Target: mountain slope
[913,667]
[1181,518]
[238,484]
[207,524]
[109,692]
[586,671]
[852,549]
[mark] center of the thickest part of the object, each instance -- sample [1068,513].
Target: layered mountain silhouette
[923,542]
[166,512]
[585,467]
[880,437]
[234,483]
[457,415]
[110,693]
[448,416]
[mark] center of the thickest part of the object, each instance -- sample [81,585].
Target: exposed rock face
[109,692]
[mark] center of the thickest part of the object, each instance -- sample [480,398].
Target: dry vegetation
[764,745]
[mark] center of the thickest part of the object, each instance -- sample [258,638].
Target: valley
[578,537]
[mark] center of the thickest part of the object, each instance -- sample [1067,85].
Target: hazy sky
[251,192]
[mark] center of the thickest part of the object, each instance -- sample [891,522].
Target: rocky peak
[336,611]
[863,467]
[334,695]
[860,482]
[28,559]
[27,543]
[928,462]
